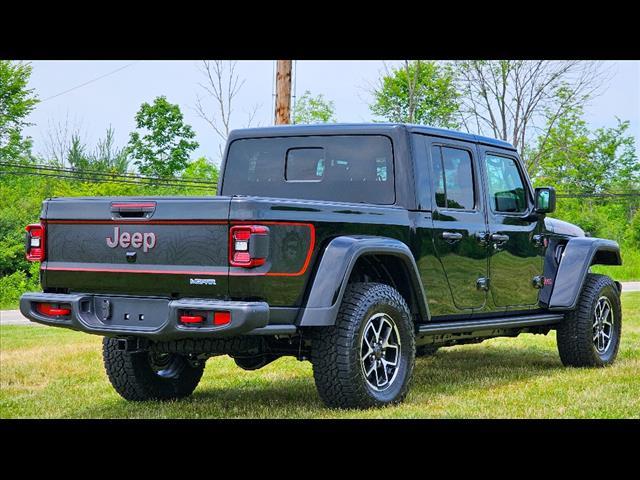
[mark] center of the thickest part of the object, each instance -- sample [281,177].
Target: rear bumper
[153,318]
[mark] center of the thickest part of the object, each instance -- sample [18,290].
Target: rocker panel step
[489,323]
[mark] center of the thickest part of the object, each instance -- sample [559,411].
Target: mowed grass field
[53,373]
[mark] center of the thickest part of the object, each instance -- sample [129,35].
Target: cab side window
[453,178]
[506,189]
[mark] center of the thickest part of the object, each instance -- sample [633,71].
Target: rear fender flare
[332,275]
[579,254]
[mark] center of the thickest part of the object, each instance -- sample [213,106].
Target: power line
[598,195]
[102,180]
[87,83]
[105,174]
[103,177]
[101,173]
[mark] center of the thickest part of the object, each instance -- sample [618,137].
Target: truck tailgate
[151,246]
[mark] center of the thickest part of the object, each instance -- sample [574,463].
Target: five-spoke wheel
[380,351]
[602,325]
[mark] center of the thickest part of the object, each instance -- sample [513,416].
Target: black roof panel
[362,128]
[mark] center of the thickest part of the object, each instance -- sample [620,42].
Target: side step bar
[462,326]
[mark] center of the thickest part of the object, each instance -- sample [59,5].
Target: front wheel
[589,336]
[144,375]
[366,359]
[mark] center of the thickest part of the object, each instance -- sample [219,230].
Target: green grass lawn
[627,272]
[53,373]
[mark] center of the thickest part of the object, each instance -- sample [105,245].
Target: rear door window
[453,178]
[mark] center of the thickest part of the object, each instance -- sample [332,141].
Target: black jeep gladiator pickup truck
[356,247]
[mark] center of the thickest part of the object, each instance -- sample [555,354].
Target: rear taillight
[54,310]
[35,242]
[248,245]
[221,318]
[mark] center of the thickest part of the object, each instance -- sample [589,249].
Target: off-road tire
[336,351]
[426,350]
[134,378]
[575,333]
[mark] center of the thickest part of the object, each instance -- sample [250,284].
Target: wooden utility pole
[283,92]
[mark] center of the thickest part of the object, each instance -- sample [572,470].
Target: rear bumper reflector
[48,309]
[191,319]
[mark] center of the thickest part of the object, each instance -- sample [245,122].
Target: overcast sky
[115,98]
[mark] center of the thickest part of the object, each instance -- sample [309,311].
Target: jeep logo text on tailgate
[145,240]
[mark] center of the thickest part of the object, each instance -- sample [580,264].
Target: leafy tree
[633,232]
[77,156]
[163,143]
[418,92]
[574,159]
[311,109]
[201,169]
[518,100]
[107,156]
[16,103]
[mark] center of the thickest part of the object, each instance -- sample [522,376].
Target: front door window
[506,190]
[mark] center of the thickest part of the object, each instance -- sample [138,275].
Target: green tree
[311,109]
[16,103]
[418,92]
[575,159]
[77,156]
[514,100]
[163,142]
[108,157]
[201,169]
[633,231]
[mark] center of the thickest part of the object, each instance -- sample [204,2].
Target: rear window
[350,168]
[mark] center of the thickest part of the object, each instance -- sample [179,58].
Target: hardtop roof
[362,128]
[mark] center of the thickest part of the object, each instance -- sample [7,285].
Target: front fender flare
[335,267]
[579,254]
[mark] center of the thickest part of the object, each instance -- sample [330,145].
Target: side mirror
[545,198]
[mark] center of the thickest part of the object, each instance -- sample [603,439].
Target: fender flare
[579,254]
[332,274]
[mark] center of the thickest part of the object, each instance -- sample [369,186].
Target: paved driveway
[14,317]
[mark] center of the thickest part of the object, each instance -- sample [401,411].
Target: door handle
[482,237]
[499,238]
[451,236]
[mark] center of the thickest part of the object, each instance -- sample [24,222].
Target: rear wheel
[366,359]
[144,375]
[589,336]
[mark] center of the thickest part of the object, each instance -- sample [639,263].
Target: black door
[515,246]
[459,221]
